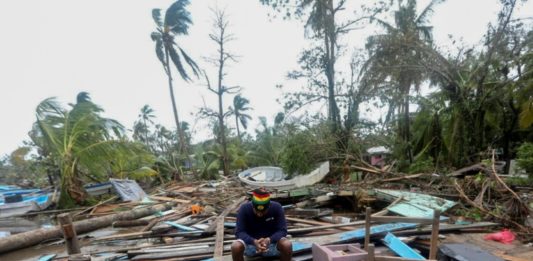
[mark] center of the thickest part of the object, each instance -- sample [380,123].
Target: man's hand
[262,244]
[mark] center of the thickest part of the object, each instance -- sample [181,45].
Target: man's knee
[237,247]
[285,246]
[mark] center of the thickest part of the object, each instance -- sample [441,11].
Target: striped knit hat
[260,199]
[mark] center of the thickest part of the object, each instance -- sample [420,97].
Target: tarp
[128,190]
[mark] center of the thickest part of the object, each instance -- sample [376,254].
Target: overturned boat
[274,178]
[20,205]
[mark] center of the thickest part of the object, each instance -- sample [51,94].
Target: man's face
[260,213]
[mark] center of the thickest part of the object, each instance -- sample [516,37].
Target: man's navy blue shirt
[251,227]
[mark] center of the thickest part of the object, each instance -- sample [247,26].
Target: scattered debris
[196,220]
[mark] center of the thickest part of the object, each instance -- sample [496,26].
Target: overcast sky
[58,48]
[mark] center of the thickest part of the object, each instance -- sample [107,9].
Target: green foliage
[297,154]
[470,213]
[422,165]
[519,181]
[525,157]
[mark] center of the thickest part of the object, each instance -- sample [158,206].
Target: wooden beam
[130,223]
[368,216]
[434,235]
[390,219]
[183,201]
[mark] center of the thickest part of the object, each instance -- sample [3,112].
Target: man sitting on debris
[261,229]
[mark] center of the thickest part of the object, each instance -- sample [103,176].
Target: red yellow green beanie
[260,199]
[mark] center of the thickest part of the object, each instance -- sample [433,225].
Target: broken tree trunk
[34,237]
[69,233]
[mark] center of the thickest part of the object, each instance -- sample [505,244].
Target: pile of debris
[196,221]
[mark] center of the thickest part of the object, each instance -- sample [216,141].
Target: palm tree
[240,106]
[81,143]
[395,55]
[141,126]
[176,22]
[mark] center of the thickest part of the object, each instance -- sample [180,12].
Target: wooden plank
[219,238]
[368,219]
[219,223]
[130,223]
[303,212]
[389,219]
[181,227]
[169,199]
[434,235]
[400,248]
[316,223]
[173,254]
[444,227]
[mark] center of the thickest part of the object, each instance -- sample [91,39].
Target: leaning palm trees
[394,55]
[176,22]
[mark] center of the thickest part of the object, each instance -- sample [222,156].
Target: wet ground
[16,225]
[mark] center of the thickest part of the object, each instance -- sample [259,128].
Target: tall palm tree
[322,21]
[240,106]
[176,22]
[395,54]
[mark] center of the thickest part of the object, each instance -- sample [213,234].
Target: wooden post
[370,252]
[368,216]
[434,235]
[69,233]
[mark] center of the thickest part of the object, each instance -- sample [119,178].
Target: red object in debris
[505,236]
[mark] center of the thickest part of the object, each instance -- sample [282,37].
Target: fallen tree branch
[482,209]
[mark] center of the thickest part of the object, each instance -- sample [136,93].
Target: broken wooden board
[414,204]
[304,244]
[160,198]
[400,248]
[181,227]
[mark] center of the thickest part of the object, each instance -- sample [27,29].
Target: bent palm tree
[240,106]
[176,22]
[81,143]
